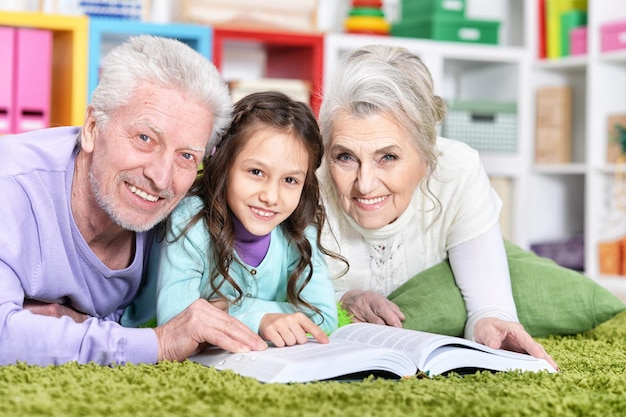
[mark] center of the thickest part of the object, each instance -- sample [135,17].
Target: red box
[578,41]
[613,36]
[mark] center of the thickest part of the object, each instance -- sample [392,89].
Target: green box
[444,28]
[418,9]
[570,19]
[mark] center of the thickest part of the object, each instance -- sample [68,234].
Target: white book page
[446,358]
[418,345]
[308,362]
[426,349]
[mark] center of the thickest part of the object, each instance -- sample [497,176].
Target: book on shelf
[541,29]
[361,349]
[553,13]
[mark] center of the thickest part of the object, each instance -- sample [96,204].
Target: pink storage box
[613,35]
[578,41]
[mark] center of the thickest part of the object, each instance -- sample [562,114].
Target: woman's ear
[88,132]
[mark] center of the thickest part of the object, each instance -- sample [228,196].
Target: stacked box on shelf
[568,252]
[443,20]
[578,41]
[484,125]
[450,8]
[553,125]
[570,20]
[613,35]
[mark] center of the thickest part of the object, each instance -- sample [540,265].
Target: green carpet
[592,382]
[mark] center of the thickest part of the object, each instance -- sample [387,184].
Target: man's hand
[54,310]
[371,307]
[220,303]
[202,323]
[289,329]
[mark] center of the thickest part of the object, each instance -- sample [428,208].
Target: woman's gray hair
[164,62]
[388,80]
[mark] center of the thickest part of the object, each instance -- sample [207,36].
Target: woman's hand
[371,307]
[500,334]
[289,329]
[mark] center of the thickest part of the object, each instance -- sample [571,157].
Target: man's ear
[89,131]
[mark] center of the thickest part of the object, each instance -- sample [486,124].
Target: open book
[362,349]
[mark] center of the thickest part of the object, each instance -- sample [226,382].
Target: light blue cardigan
[182,270]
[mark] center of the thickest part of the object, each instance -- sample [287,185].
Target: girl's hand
[289,329]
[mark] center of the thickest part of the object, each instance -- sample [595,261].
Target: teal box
[453,29]
[487,126]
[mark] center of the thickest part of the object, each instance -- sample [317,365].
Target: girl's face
[374,167]
[266,179]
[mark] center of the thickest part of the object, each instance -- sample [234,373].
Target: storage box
[611,257]
[417,9]
[445,28]
[578,41]
[613,36]
[553,124]
[568,252]
[570,20]
[484,125]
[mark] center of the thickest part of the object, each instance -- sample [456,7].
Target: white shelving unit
[464,71]
[577,197]
[549,202]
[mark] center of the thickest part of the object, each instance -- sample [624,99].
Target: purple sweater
[44,257]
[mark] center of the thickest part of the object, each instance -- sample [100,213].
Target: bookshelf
[104,34]
[578,197]
[462,72]
[272,54]
[547,201]
[69,61]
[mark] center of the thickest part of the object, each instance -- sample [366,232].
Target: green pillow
[550,299]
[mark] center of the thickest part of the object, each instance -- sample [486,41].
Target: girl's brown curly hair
[252,113]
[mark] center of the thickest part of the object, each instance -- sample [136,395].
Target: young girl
[248,234]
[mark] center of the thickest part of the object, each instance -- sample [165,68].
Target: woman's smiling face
[375,168]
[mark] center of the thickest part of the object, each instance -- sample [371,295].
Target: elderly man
[80,205]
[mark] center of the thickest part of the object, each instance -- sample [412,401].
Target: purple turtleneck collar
[250,248]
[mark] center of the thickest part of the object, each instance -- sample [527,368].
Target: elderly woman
[400,199]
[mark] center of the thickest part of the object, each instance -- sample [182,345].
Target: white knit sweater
[383,259]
